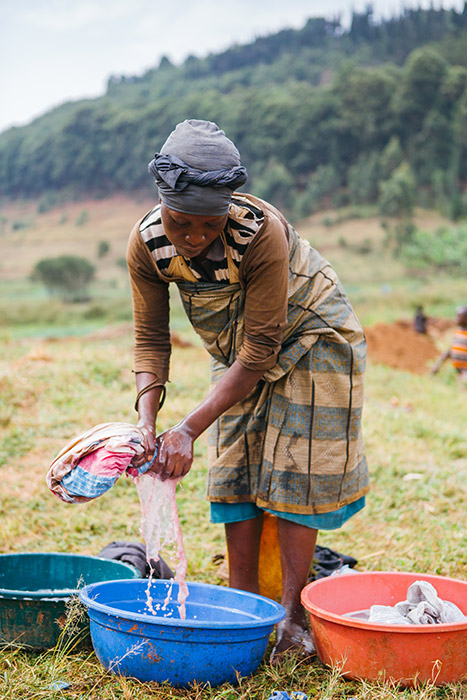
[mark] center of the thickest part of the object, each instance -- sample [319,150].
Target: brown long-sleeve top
[262,272]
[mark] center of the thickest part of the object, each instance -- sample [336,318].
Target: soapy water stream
[160,527]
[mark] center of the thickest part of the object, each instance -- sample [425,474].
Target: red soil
[398,345]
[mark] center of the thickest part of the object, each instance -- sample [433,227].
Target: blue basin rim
[274,612]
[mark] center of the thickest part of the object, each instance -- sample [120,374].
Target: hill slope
[316,113]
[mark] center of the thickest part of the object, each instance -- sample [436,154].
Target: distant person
[457,352]
[419,322]
[287,362]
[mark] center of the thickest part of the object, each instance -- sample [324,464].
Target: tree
[365,118]
[454,84]
[103,248]
[432,147]
[67,276]
[276,185]
[165,63]
[424,75]
[323,184]
[363,179]
[460,138]
[361,28]
[397,200]
[397,195]
[391,157]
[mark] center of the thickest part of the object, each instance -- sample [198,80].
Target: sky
[54,51]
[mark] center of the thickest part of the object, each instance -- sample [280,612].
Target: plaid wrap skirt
[294,444]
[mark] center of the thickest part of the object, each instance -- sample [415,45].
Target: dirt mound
[398,345]
[434,326]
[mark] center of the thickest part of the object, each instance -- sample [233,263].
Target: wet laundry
[422,607]
[90,464]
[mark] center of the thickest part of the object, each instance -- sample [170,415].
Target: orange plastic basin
[402,653]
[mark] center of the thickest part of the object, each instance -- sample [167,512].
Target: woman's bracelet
[150,386]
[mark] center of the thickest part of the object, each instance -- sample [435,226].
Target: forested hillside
[373,114]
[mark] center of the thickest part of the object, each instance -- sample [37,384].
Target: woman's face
[191,234]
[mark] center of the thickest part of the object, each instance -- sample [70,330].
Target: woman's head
[191,234]
[461,316]
[197,169]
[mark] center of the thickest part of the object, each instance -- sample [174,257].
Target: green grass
[62,372]
[57,388]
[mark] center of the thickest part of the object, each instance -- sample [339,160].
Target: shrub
[67,276]
[47,202]
[443,249]
[94,311]
[19,224]
[82,218]
[365,247]
[103,248]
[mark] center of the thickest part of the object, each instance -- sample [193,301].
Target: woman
[287,354]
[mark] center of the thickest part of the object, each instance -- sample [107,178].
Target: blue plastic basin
[225,633]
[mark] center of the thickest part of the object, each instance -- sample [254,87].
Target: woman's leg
[297,548]
[243,540]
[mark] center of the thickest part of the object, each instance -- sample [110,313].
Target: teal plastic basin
[36,587]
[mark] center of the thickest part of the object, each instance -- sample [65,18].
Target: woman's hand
[175,446]
[149,443]
[175,453]
[147,403]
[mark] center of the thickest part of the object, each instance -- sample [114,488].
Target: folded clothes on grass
[134,553]
[90,464]
[326,561]
[422,607]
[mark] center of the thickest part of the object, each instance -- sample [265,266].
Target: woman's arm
[175,455]
[147,405]
[152,336]
[150,298]
[437,366]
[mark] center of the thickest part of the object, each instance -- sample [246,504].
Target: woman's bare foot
[292,638]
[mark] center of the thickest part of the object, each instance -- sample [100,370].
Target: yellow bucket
[270,570]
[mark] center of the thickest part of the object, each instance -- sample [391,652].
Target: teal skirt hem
[236,512]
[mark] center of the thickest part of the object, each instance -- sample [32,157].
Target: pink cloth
[117,442]
[104,462]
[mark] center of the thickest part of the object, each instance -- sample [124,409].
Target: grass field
[64,369]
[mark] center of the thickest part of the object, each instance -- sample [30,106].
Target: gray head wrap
[197,169]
